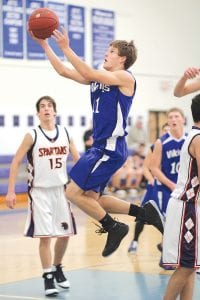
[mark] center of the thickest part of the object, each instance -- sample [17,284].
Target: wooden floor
[19,259]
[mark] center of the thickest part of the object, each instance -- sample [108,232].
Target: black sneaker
[150,214]
[114,238]
[49,286]
[61,280]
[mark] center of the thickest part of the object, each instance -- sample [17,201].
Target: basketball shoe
[49,286]
[61,280]
[133,247]
[115,235]
[150,214]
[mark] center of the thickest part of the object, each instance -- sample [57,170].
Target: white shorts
[181,240]
[49,213]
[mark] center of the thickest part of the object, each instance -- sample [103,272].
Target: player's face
[46,110]
[112,59]
[175,120]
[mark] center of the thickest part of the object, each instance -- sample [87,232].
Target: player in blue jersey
[185,85]
[112,93]
[166,157]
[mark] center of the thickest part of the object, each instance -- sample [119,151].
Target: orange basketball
[42,22]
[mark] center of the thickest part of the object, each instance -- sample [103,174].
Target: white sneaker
[133,247]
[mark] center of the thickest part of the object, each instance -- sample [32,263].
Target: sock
[53,268]
[138,229]
[107,222]
[134,210]
[48,270]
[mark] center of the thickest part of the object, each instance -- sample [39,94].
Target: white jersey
[47,158]
[187,183]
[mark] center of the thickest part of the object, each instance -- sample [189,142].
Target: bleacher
[21,184]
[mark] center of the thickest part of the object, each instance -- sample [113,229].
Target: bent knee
[72,192]
[69,194]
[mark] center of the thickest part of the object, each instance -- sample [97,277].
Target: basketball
[42,22]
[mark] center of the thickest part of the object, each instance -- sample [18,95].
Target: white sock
[53,268]
[47,270]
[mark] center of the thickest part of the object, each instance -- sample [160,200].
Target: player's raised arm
[184,86]
[57,64]
[111,76]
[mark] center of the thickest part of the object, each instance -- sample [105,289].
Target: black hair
[195,108]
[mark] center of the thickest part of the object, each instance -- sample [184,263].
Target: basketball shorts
[49,213]
[163,195]
[95,168]
[181,240]
[151,194]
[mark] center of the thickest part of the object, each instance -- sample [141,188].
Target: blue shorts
[164,194]
[151,194]
[95,168]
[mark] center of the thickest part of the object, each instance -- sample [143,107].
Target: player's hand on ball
[39,41]
[61,37]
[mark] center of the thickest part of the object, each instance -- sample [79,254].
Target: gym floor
[119,277]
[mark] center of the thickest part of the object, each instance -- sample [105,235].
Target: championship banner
[12,29]
[103,32]
[34,51]
[61,10]
[76,29]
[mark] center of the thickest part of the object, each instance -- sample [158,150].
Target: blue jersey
[109,150]
[170,162]
[110,112]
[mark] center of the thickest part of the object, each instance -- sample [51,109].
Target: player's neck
[177,133]
[48,125]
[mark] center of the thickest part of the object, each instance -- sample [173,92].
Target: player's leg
[149,214]
[59,251]
[180,279]
[46,261]
[139,226]
[87,201]
[39,224]
[63,226]
[188,290]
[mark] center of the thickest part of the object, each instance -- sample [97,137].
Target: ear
[122,59]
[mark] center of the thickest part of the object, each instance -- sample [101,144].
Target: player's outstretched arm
[119,77]
[57,64]
[14,168]
[183,87]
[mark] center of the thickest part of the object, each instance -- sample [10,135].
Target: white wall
[166,34]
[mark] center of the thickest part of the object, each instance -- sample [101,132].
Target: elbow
[61,72]
[178,95]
